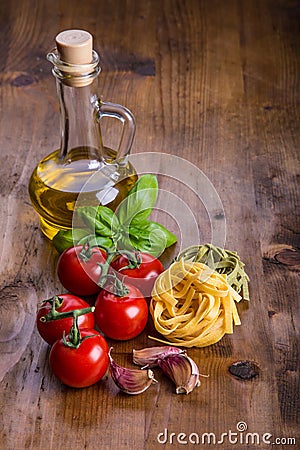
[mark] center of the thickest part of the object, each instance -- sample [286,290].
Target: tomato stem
[54,301]
[111,254]
[86,253]
[118,288]
[134,260]
[56,315]
[74,337]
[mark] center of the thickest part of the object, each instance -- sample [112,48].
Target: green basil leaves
[128,228]
[141,199]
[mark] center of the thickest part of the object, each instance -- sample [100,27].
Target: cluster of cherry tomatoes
[116,284]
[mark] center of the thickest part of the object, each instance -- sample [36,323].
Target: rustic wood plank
[216,83]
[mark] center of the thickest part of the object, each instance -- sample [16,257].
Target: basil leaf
[87,215]
[125,244]
[106,218]
[100,241]
[168,237]
[100,219]
[67,238]
[138,204]
[148,238]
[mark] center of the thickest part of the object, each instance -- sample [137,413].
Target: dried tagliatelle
[223,261]
[193,305]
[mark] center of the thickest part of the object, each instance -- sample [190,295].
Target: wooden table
[216,83]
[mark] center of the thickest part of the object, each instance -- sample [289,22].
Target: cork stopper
[75,46]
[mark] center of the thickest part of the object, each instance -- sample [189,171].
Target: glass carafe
[81,163]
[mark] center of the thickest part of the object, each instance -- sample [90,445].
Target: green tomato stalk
[74,337]
[53,314]
[134,261]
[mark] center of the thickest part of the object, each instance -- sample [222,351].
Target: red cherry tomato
[143,276]
[121,318]
[79,269]
[80,366]
[53,330]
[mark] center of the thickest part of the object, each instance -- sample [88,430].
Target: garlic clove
[148,357]
[193,381]
[130,381]
[182,370]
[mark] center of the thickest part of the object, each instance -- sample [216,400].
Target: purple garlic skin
[148,357]
[130,381]
[182,370]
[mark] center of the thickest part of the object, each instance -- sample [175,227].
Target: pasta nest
[193,305]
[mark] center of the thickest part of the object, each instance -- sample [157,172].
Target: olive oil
[55,187]
[82,172]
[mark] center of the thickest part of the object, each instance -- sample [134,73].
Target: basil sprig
[128,227]
[67,238]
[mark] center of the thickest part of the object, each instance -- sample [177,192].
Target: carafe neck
[77,87]
[79,126]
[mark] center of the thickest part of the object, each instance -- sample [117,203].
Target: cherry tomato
[53,330]
[79,269]
[143,276]
[83,365]
[121,317]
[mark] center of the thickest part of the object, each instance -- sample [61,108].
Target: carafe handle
[107,109]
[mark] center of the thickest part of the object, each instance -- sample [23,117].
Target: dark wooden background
[215,82]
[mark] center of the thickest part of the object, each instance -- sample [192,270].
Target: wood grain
[216,83]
